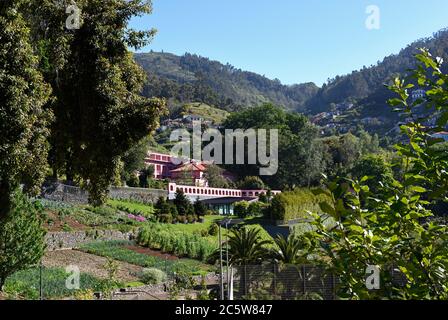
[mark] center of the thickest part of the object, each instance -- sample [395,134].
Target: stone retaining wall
[70,240]
[75,195]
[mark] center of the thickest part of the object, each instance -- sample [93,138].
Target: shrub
[252,183]
[294,204]
[213,229]
[182,203]
[181,219]
[153,276]
[21,237]
[104,211]
[240,209]
[133,181]
[158,236]
[191,218]
[165,218]
[256,209]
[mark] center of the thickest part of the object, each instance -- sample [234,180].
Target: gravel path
[89,263]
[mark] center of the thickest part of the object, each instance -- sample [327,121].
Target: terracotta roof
[190,167]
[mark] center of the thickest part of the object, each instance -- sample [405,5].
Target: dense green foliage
[191,78]
[23,118]
[158,236]
[97,86]
[21,237]
[295,204]
[288,250]
[215,178]
[153,276]
[246,246]
[251,183]
[391,228]
[25,284]
[299,151]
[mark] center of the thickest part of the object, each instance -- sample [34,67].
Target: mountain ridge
[192,78]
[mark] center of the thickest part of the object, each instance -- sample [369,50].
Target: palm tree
[288,254]
[246,246]
[288,250]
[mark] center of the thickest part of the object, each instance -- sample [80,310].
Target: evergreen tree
[199,208]
[182,203]
[22,242]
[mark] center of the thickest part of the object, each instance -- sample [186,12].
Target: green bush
[294,205]
[21,237]
[240,209]
[159,236]
[256,209]
[165,218]
[153,276]
[25,284]
[213,229]
[133,181]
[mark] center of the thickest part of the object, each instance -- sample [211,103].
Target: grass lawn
[117,251]
[131,207]
[26,284]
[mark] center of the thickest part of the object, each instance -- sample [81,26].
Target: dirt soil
[58,224]
[154,253]
[89,263]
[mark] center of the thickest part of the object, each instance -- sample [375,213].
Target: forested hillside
[365,86]
[191,78]
[350,101]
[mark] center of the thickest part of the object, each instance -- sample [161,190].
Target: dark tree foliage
[22,236]
[100,114]
[183,205]
[23,118]
[193,78]
[299,149]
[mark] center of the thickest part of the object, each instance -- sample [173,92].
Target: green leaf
[418,189]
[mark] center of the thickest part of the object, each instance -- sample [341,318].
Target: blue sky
[293,40]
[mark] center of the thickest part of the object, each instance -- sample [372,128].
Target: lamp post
[221,282]
[226,222]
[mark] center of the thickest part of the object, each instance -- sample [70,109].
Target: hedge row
[295,204]
[182,244]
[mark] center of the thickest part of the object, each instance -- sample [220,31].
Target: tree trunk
[5,200]
[2,283]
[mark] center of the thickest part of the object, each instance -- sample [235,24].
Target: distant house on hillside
[191,117]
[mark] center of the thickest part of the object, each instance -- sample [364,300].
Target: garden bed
[153,253]
[146,258]
[91,264]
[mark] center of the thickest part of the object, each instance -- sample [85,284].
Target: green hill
[205,111]
[188,78]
